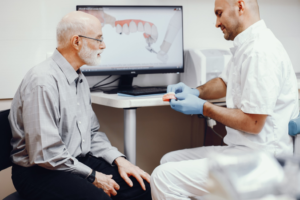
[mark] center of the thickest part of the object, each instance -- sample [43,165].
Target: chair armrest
[294,126]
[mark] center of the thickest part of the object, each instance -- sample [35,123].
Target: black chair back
[5,138]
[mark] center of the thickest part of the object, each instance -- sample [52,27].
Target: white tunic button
[83,140]
[79,122]
[78,103]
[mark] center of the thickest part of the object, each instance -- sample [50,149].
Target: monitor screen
[138,39]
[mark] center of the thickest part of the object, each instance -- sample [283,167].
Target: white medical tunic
[260,79]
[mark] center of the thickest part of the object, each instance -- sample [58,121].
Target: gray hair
[67,28]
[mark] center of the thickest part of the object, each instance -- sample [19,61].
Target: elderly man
[261,96]
[58,152]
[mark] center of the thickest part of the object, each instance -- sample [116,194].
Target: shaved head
[235,16]
[74,23]
[251,4]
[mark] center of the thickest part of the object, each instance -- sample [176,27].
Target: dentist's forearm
[235,118]
[213,89]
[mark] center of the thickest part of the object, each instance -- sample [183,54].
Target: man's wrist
[206,106]
[118,160]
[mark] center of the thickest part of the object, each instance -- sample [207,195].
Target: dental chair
[294,131]
[5,148]
[277,178]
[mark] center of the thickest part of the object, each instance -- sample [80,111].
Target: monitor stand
[124,83]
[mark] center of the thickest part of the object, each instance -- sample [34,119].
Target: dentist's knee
[169,157]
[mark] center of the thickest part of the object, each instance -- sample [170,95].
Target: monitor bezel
[133,72]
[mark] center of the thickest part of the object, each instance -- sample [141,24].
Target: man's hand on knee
[106,183]
[127,169]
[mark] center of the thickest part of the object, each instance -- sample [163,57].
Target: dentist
[261,96]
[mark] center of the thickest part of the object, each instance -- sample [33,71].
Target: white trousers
[183,174]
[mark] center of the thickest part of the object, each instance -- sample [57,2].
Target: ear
[76,42]
[242,6]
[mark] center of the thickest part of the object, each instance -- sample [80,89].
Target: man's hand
[182,90]
[188,105]
[106,183]
[127,169]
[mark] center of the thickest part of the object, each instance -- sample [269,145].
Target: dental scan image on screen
[139,38]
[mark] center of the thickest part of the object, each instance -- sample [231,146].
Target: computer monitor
[139,40]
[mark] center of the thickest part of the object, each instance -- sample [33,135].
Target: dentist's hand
[188,105]
[181,90]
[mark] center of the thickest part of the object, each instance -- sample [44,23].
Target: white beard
[89,56]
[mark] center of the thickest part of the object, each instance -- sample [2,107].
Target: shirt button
[83,140]
[78,103]
[79,122]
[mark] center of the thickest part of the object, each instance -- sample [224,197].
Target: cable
[100,87]
[209,123]
[217,133]
[109,82]
[103,88]
[101,81]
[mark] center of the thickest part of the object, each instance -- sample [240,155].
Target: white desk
[130,104]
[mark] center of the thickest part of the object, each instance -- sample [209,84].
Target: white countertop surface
[115,101]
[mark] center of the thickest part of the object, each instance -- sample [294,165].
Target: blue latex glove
[189,105]
[182,90]
[294,126]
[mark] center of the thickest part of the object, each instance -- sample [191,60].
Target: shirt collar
[65,67]
[249,33]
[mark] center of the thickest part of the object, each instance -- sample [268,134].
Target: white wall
[5,104]
[28,32]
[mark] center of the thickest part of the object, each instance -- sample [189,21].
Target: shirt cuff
[82,170]
[111,155]
[223,78]
[258,111]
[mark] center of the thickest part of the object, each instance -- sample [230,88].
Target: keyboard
[144,90]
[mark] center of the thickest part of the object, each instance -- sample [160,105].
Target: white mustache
[99,51]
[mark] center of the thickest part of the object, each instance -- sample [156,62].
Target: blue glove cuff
[294,126]
[195,92]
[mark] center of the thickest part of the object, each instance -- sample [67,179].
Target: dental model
[133,25]
[128,26]
[169,96]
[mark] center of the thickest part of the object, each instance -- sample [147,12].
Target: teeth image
[119,28]
[147,28]
[132,27]
[125,29]
[140,27]
[154,32]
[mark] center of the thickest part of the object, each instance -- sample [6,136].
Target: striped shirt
[52,120]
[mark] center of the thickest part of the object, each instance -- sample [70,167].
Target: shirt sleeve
[42,138]
[225,72]
[100,145]
[261,83]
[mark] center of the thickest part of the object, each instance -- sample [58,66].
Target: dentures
[133,25]
[169,96]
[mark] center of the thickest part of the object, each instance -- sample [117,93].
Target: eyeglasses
[99,41]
